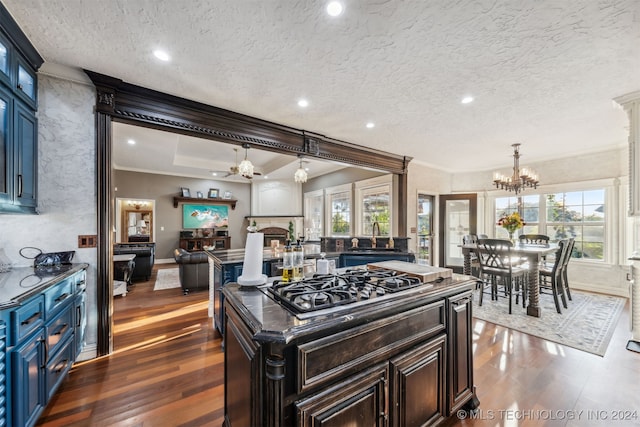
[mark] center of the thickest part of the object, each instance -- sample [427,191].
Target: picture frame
[214,193]
[199,195]
[185,192]
[227,195]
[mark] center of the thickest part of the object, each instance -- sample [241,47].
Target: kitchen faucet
[373,230]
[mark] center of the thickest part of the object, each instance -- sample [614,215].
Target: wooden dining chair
[497,268]
[565,264]
[551,276]
[534,239]
[468,239]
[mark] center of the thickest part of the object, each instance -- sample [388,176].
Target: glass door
[425,229]
[458,216]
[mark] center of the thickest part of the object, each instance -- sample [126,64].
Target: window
[376,209]
[339,211]
[578,214]
[313,214]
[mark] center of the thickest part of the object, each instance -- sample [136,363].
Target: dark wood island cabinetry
[402,359]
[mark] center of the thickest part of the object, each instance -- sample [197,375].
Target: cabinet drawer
[59,294]
[58,367]
[346,352]
[27,319]
[59,329]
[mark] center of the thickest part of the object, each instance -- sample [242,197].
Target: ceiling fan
[235,169]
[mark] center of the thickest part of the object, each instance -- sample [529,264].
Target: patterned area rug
[167,278]
[587,324]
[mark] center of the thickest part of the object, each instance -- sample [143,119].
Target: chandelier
[245,168]
[301,174]
[520,179]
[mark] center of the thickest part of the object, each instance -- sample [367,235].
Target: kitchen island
[400,358]
[225,266]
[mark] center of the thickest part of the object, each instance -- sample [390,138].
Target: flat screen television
[204,216]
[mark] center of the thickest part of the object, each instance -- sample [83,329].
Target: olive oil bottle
[298,262]
[287,263]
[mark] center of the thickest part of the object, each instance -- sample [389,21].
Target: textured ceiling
[543,73]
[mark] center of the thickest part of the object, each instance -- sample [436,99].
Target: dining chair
[565,263]
[468,239]
[497,267]
[534,239]
[551,275]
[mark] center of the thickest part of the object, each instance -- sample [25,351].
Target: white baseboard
[88,352]
[620,292]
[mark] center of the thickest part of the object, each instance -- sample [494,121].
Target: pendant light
[301,174]
[245,168]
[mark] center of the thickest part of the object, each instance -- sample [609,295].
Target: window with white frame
[373,205]
[339,210]
[577,214]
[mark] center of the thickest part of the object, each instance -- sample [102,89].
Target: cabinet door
[357,401]
[3,375]
[28,380]
[460,351]
[217,296]
[80,321]
[417,387]
[25,133]
[6,146]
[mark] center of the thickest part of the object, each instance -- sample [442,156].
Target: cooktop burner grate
[326,291]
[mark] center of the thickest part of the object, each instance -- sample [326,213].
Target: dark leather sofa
[193,269]
[145,257]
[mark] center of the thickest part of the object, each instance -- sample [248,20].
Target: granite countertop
[20,283]
[271,322]
[229,256]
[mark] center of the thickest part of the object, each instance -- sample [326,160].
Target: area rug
[587,324]
[167,278]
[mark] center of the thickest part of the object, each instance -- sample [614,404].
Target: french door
[458,216]
[424,250]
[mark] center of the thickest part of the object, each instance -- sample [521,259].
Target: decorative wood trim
[178,199]
[139,105]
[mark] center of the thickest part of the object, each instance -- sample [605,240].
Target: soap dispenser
[322,265]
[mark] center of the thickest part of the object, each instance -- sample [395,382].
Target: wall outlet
[88,241]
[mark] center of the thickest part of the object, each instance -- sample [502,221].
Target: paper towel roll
[252,264]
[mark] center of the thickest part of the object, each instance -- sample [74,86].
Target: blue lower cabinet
[353,259]
[40,348]
[3,377]
[28,379]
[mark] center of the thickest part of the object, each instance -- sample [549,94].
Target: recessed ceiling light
[161,55]
[303,103]
[371,125]
[334,8]
[214,174]
[266,176]
[131,142]
[467,99]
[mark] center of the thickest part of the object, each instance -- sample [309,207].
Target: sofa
[193,269]
[145,257]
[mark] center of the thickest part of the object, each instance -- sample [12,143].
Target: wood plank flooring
[167,370]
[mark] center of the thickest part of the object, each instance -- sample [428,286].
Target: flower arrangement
[512,222]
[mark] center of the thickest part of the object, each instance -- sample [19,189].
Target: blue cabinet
[27,378]
[45,333]
[18,123]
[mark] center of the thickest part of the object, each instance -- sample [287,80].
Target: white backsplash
[66,183]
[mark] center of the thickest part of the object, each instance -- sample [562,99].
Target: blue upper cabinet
[19,63]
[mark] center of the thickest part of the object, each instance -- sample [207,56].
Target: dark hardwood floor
[167,370]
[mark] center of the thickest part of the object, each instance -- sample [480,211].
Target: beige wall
[162,189]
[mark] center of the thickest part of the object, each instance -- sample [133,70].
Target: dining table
[534,255]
